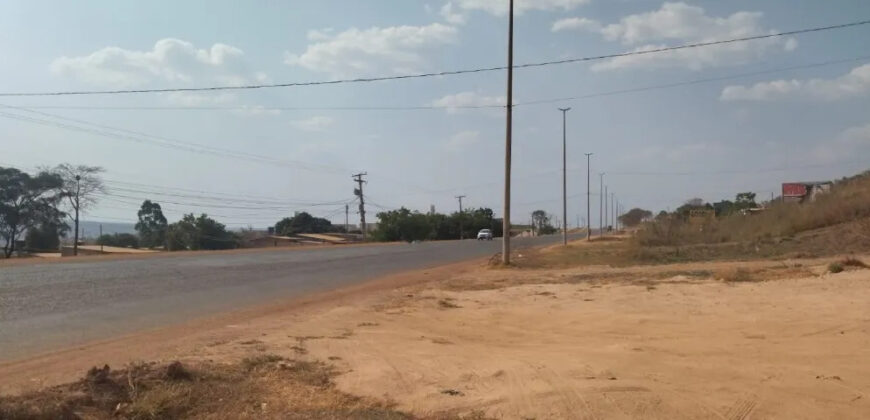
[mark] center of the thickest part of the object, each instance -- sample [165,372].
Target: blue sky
[659,147]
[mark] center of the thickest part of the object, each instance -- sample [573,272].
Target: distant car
[484,234]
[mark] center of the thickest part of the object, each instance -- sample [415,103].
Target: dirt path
[667,342]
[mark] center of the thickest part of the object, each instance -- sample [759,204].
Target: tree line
[40,209]
[406,225]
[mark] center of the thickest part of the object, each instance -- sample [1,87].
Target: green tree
[195,233]
[152,225]
[745,200]
[634,217]
[542,223]
[303,223]
[123,240]
[81,184]
[403,225]
[46,236]
[26,202]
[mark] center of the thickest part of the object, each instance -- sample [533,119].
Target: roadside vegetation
[406,225]
[262,386]
[835,223]
[258,387]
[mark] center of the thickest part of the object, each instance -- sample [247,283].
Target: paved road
[51,306]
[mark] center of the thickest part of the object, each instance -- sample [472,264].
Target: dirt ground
[726,340]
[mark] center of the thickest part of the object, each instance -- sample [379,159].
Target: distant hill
[92,229]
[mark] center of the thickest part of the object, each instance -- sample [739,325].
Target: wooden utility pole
[564,177]
[362,203]
[346,218]
[506,222]
[460,197]
[77,204]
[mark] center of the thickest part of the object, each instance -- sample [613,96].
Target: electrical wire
[445,73]
[107,131]
[416,108]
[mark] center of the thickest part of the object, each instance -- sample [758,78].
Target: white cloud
[171,60]
[396,50]
[315,123]
[683,23]
[450,15]
[455,102]
[851,142]
[855,83]
[462,140]
[576,23]
[500,7]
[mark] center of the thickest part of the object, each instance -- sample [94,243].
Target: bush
[849,200]
[835,268]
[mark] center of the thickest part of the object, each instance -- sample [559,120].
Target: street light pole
[564,177]
[601,205]
[588,204]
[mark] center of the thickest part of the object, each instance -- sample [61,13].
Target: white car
[484,234]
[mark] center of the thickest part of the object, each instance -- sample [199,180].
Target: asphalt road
[45,307]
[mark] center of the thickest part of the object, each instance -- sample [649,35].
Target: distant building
[800,192]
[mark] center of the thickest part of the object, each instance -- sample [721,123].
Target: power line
[271,108]
[160,141]
[443,73]
[433,107]
[694,82]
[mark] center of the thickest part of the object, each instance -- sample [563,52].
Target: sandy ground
[666,342]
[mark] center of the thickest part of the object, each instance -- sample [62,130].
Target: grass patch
[273,389]
[853,262]
[836,267]
[447,304]
[738,275]
[260,360]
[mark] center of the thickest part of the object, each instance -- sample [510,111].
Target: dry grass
[260,387]
[738,275]
[853,262]
[846,264]
[848,202]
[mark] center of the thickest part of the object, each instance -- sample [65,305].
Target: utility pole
[346,218]
[76,238]
[588,203]
[601,205]
[606,210]
[362,203]
[613,211]
[101,238]
[564,177]
[506,222]
[460,197]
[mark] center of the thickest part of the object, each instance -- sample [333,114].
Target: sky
[705,122]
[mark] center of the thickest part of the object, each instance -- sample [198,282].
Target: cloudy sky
[706,122]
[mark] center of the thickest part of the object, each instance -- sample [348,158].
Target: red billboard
[793,189]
